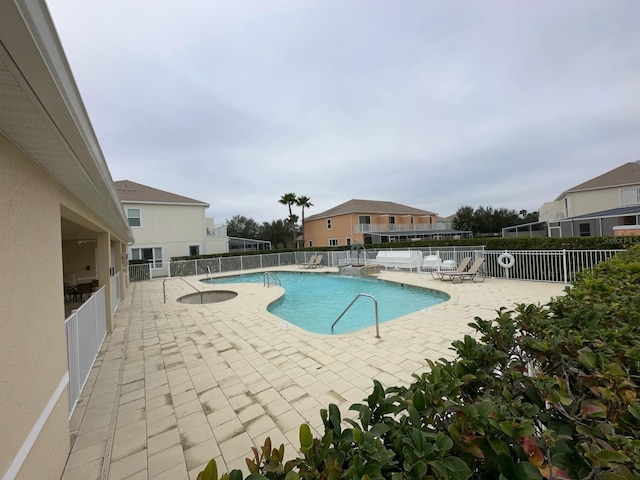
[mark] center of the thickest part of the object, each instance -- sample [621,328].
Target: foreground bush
[543,392]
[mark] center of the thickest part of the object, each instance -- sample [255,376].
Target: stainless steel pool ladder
[268,277]
[375,307]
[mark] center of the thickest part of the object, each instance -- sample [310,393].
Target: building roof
[42,113]
[370,206]
[627,174]
[132,192]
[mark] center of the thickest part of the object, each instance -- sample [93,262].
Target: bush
[543,392]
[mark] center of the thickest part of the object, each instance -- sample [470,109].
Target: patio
[176,385]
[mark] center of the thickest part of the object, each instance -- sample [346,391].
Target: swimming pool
[313,301]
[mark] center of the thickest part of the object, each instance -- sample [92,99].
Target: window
[194,250]
[328,224]
[348,241]
[333,242]
[411,220]
[152,255]
[311,243]
[585,229]
[392,220]
[364,220]
[133,215]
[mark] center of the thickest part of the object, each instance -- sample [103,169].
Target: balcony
[396,227]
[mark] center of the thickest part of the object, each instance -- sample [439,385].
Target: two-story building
[167,225]
[373,222]
[608,204]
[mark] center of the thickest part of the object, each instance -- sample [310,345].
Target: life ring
[506,260]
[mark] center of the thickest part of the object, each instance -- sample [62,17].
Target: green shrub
[500,243]
[542,392]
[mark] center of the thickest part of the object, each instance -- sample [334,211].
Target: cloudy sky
[429,103]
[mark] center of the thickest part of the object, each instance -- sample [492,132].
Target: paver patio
[176,384]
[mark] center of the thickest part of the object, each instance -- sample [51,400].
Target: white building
[167,225]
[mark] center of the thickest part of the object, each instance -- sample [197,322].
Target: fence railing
[115,292]
[86,329]
[540,265]
[544,265]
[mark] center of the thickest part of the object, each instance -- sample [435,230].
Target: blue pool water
[313,301]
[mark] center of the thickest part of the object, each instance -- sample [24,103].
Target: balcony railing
[395,227]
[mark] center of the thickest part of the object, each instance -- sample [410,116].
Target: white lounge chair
[312,259]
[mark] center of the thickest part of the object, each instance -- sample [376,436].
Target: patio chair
[317,262]
[312,259]
[461,268]
[473,273]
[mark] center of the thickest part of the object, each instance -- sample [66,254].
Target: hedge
[502,243]
[543,391]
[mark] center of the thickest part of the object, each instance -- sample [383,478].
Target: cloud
[427,103]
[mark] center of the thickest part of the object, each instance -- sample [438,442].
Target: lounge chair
[312,260]
[461,268]
[472,273]
[317,263]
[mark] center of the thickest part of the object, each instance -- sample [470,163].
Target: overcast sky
[429,103]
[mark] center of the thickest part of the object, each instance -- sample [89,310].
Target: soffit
[42,113]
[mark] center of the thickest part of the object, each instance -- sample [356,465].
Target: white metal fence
[540,265]
[86,329]
[115,292]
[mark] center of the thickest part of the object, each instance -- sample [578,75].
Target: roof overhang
[179,204]
[42,112]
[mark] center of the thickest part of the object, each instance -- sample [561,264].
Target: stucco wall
[77,258]
[174,227]
[581,203]
[33,351]
[317,231]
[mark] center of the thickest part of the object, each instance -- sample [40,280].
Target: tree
[528,217]
[277,232]
[243,227]
[464,219]
[288,199]
[487,220]
[303,202]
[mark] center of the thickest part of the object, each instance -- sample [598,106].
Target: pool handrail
[270,275]
[375,304]
[164,293]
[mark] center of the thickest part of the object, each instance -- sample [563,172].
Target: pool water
[313,301]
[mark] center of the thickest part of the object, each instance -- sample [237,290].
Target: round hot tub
[215,296]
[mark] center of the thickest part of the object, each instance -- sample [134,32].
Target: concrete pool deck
[176,384]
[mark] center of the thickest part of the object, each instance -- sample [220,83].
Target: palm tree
[303,202]
[288,199]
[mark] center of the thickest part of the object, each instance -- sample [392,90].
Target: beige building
[373,222]
[608,204]
[167,225]
[616,188]
[60,218]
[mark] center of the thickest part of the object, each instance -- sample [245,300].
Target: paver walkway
[176,385]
